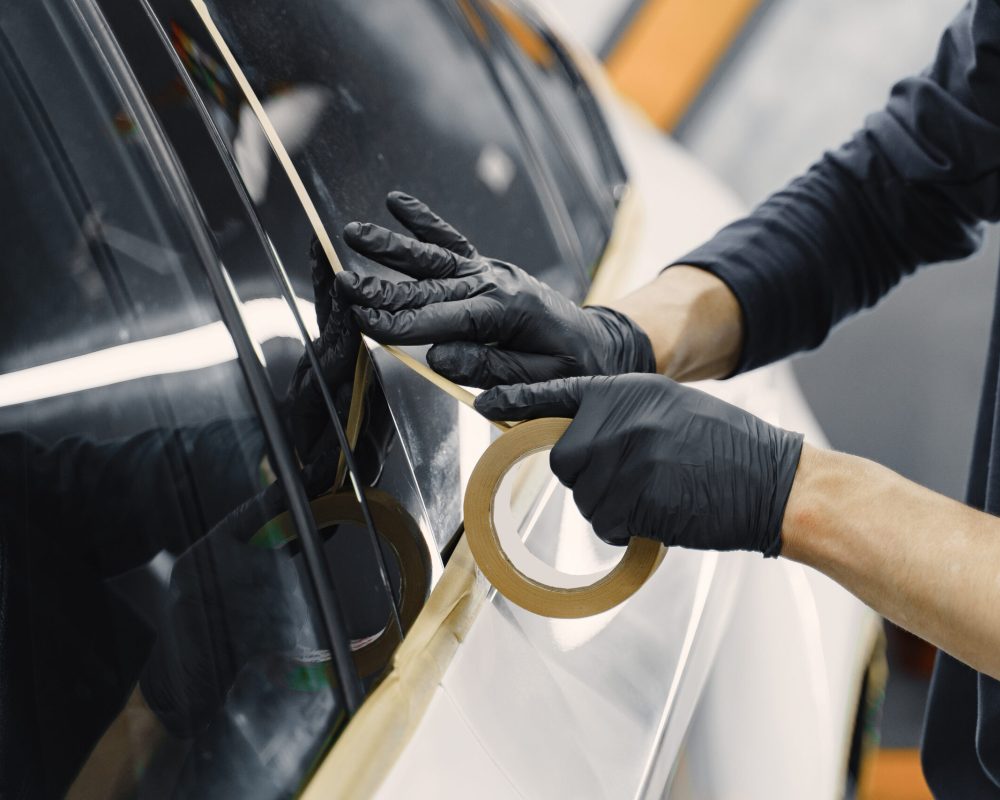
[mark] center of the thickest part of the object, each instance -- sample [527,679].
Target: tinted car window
[375,96]
[555,101]
[154,633]
[513,58]
[266,245]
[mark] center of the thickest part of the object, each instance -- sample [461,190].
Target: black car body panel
[147,349]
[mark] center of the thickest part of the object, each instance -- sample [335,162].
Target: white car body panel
[749,668]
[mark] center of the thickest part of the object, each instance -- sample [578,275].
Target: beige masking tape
[641,558]
[518,440]
[392,713]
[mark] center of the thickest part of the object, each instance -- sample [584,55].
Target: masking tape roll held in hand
[641,558]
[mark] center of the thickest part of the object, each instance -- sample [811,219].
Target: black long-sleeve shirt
[912,187]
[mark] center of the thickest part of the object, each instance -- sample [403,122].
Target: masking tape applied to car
[641,556]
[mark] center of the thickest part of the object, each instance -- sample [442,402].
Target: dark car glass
[370,114]
[141,539]
[266,264]
[557,106]
[564,92]
[382,95]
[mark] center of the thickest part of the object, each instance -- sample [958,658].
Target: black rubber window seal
[285,465]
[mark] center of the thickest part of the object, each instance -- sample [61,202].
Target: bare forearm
[693,321]
[926,562]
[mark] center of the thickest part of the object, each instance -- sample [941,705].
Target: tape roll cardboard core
[640,560]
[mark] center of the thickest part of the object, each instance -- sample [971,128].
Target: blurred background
[756,91]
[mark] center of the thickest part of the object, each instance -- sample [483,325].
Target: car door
[177,620]
[442,97]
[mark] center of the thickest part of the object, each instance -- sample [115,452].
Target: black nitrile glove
[337,352]
[491,322]
[646,456]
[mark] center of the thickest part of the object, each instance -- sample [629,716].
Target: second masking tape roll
[640,560]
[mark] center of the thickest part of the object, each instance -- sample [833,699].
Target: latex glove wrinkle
[646,456]
[490,322]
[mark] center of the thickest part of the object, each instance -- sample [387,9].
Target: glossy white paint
[734,676]
[592,21]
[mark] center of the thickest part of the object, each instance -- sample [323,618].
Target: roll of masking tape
[641,557]
[556,596]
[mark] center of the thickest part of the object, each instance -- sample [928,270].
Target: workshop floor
[900,384]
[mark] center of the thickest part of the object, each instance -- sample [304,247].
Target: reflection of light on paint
[198,348]
[819,680]
[495,169]
[474,434]
[706,576]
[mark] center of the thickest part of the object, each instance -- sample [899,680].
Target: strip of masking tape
[641,556]
[355,413]
[391,715]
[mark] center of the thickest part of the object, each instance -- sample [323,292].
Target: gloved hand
[646,456]
[491,322]
[337,352]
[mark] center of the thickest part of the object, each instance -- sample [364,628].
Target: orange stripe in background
[894,775]
[669,51]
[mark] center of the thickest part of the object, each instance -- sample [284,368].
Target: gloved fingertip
[441,359]
[398,197]
[347,279]
[353,232]
[491,403]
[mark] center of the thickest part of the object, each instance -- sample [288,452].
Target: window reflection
[144,530]
[152,642]
[142,522]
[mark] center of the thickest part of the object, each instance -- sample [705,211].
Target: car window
[369,97]
[375,96]
[157,629]
[418,464]
[271,258]
[556,104]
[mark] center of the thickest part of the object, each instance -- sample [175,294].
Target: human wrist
[693,321]
[627,348]
[806,530]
